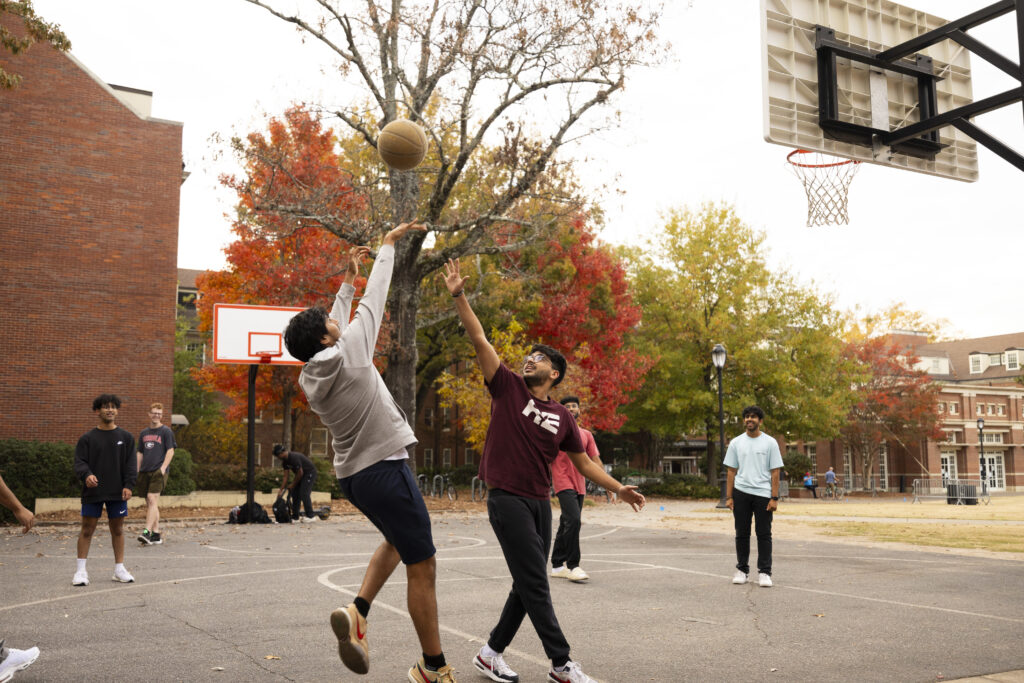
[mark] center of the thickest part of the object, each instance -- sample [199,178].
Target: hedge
[669,485]
[235,477]
[44,469]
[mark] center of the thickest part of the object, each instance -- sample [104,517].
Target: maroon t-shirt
[524,437]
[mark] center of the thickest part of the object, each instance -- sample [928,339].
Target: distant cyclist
[830,482]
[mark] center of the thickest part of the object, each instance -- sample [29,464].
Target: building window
[792,449]
[318,442]
[259,456]
[936,366]
[470,456]
[428,458]
[981,409]
[446,417]
[954,408]
[948,460]
[1000,409]
[975,365]
[278,415]
[883,467]
[993,437]
[991,409]
[847,469]
[995,472]
[812,453]
[428,417]
[995,359]
[446,458]
[1012,360]
[942,407]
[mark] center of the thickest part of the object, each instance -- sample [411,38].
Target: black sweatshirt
[110,455]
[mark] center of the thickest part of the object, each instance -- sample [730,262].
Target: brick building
[89,191]
[979,378]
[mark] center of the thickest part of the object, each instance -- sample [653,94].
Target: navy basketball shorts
[387,495]
[115,508]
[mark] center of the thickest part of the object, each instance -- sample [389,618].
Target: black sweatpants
[567,539]
[523,528]
[302,493]
[745,505]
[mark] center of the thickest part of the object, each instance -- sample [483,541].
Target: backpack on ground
[252,515]
[283,510]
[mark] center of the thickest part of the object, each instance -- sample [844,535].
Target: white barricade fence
[958,491]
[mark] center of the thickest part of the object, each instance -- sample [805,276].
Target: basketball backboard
[868,94]
[251,334]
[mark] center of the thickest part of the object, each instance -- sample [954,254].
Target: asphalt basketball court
[219,602]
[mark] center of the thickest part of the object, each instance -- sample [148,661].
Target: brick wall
[88,238]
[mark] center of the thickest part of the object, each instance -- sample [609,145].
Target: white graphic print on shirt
[548,421]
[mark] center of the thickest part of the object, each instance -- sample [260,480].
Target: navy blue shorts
[387,494]
[115,508]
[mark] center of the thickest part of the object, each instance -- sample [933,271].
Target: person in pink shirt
[570,487]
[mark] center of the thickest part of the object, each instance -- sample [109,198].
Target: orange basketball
[402,144]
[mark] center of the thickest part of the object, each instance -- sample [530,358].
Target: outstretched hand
[355,258]
[629,494]
[403,228]
[453,279]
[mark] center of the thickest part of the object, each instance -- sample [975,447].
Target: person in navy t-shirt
[526,432]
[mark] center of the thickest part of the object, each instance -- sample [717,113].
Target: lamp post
[981,446]
[718,359]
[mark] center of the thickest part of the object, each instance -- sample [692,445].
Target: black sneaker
[155,539]
[146,538]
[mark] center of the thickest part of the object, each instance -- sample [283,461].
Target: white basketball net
[826,180]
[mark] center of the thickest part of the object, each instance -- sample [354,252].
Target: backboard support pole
[250,483]
[921,139]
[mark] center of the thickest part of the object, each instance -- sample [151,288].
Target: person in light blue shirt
[753,461]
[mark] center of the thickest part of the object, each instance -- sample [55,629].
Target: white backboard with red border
[242,333]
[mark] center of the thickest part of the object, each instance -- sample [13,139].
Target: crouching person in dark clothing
[302,471]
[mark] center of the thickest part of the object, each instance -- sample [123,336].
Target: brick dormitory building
[89,193]
[978,378]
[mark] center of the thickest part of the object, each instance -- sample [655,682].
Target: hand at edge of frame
[629,494]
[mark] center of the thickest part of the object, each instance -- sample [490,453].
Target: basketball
[402,145]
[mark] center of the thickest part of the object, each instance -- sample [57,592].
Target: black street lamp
[718,358]
[981,446]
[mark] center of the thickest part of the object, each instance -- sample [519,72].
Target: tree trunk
[404,302]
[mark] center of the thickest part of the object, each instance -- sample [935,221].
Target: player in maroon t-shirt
[526,432]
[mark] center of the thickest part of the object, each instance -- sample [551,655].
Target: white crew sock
[486,651]
[118,565]
[81,565]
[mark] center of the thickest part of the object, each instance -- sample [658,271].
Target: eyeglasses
[537,358]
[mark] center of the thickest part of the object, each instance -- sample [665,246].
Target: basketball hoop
[266,356]
[826,180]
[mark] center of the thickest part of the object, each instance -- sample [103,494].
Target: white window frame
[994,437]
[847,469]
[936,365]
[995,472]
[446,416]
[470,455]
[812,453]
[991,408]
[1000,409]
[1012,360]
[318,442]
[948,460]
[446,458]
[976,365]
[259,457]
[428,458]
[995,359]
[954,408]
[883,467]
[980,407]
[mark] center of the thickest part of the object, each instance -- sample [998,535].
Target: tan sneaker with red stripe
[350,628]
[419,673]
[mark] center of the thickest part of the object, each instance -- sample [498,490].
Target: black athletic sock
[559,667]
[362,606]
[434,662]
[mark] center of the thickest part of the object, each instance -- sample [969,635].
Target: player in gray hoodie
[370,435]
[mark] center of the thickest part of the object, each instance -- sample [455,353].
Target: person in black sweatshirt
[105,463]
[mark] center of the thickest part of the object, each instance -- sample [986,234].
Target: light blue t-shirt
[754,459]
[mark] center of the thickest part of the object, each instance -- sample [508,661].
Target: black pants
[301,494]
[745,505]
[567,540]
[812,488]
[523,528]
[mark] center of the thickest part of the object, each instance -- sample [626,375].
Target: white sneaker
[495,668]
[572,674]
[308,519]
[577,575]
[560,573]
[121,574]
[16,660]
[764,580]
[739,577]
[81,578]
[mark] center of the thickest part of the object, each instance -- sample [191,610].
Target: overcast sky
[692,132]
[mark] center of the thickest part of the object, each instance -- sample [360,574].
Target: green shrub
[37,469]
[668,485]
[179,482]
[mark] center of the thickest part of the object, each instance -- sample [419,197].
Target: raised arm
[486,356]
[342,309]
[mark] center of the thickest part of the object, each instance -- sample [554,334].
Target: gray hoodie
[344,388]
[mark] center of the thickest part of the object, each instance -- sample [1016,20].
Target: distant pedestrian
[156,450]
[571,488]
[830,481]
[303,474]
[105,463]
[752,489]
[810,485]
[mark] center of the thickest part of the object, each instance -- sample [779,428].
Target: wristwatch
[775,497]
